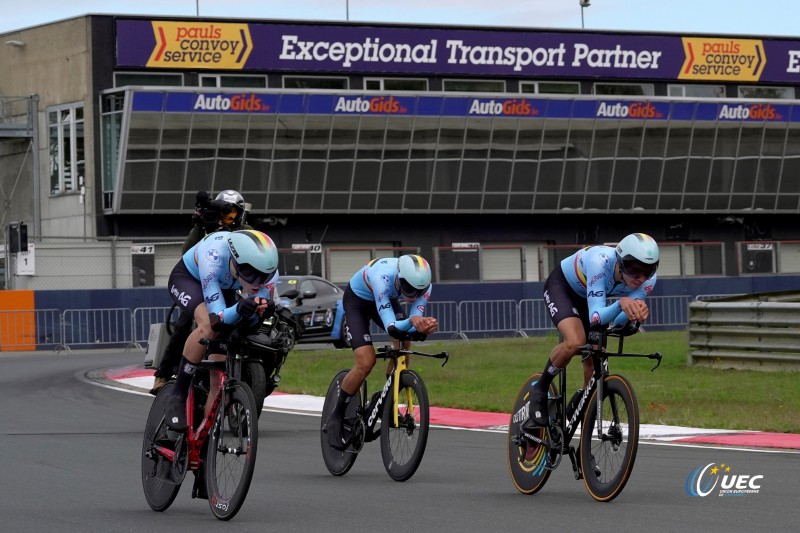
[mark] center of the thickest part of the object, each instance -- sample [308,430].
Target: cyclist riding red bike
[373,294]
[203,284]
[576,295]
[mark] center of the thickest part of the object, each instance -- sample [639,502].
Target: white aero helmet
[414,275]
[637,254]
[255,256]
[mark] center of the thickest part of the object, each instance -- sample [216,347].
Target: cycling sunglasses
[637,269]
[252,276]
[409,291]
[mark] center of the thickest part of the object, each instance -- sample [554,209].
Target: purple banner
[333,49]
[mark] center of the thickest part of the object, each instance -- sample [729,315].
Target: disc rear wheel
[158,490]
[338,462]
[529,462]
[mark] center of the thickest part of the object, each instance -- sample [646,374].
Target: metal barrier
[130,327]
[748,335]
[144,317]
[27,329]
[534,316]
[667,311]
[96,327]
[489,316]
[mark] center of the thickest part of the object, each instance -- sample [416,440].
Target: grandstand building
[348,135]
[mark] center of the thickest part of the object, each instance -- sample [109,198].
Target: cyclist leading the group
[374,294]
[576,295]
[203,283]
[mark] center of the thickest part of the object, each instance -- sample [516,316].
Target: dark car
[317,306]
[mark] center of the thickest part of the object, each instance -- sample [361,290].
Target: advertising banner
[330,48]
[461,106]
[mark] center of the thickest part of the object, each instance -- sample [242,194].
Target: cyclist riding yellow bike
[576,295]
[373,294]
[203,284]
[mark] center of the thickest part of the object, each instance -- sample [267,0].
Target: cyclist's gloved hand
[270,310]
[246,308]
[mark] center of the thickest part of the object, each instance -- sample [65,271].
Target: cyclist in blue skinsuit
[203,283]
[373,294]
[576,295]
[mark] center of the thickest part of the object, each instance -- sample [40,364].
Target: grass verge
[486,375]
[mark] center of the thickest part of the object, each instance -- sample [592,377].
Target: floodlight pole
[584,4]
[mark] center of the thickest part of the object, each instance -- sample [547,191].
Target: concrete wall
[55,60]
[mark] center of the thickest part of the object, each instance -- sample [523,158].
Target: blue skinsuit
[376,281]
[590,273]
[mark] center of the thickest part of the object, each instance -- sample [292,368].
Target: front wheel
[255,376]
[231,455]
[158,490]
[529,462]
[403,444]
[607,460]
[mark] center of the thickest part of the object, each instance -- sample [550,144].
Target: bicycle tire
[229,473]
[528,462]
[255,376]
[158,492]
[338,462]
[614,456]
[403,446]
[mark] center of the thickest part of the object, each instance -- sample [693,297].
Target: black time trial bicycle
[399,414]
[607,412]
[219,447]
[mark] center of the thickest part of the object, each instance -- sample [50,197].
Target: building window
[474,86]
[314,82]
[624,89]
[395,84]
[779,93]
[67,164]
[214,80]
[153,79]
[549,87]
[696,91]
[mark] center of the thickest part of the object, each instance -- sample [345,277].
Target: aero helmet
[637,255]
[414,275]
[255,256]
[233,209]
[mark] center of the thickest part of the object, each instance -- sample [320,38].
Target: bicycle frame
[196,437]
[400,358]
[599,356]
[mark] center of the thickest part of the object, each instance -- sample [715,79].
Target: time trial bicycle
[399,414]
[607,412]
[220,447]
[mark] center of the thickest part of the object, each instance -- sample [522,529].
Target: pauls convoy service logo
[200,45]
[722,59]
[722,479]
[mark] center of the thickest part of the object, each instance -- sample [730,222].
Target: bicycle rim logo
[704,480]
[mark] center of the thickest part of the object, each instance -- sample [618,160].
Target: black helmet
[232,209]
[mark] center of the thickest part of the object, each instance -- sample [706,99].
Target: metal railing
[756,335]
[129,328]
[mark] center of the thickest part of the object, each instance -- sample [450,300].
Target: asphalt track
[71,445]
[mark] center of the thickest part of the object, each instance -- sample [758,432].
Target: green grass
[486,375]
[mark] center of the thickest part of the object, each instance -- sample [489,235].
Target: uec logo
[703,480]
